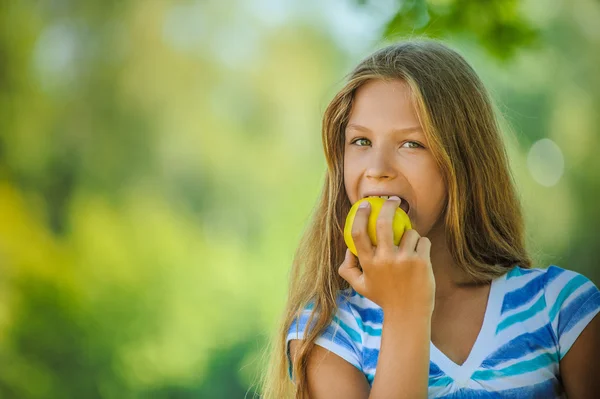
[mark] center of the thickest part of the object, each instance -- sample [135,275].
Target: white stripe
[364,303]
[554,287]
[529,325]
[372,343]
[373,325]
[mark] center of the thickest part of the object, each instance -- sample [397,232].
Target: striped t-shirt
[533,317]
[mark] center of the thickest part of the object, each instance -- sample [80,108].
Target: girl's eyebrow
[395,131]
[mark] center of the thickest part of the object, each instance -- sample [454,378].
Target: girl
[455,310]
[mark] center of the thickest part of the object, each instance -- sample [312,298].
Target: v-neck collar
[481,348]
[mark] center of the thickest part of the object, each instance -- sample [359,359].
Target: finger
[409,240]
[423,247]
[350,271]
[385,232]
[359,233]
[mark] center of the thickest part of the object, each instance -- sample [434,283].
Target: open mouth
[404,204]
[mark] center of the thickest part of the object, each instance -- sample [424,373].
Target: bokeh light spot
[545,162]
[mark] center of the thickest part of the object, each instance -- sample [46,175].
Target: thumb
[350,271]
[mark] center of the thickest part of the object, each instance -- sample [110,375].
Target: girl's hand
[397,278]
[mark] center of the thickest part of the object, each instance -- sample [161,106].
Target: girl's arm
[402,368]
[403,364]
[330,376]
[579,367]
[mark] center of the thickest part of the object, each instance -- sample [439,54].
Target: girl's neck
[449,278]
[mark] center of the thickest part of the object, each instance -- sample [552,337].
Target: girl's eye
[413,144]
[360,139]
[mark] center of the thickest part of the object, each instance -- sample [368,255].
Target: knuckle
[403,257]
[407,257]
[381,257]
[412,233]
[356,233]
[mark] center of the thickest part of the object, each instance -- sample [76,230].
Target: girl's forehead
[383,102]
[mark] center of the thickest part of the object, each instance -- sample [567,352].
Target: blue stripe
[553,272]
[518,297]
[331,333]
[515,272]
[518,271]
[441,382]
[300,324]
[434,370]
[521,345]
[534,309]
[354,336]
[586,303]
[566,292]
[526,366]
[369,357]
[372,331]
[374,316]
[370,378]
[546,389]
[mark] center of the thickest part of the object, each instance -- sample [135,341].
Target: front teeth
[383,196]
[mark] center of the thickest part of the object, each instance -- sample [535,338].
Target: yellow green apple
[400,223]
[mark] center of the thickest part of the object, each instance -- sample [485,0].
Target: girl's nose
[381,167]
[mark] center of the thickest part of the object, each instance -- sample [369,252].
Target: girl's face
[386,153]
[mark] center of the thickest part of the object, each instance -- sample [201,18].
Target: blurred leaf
[53,343]
[496,24]
[412,16]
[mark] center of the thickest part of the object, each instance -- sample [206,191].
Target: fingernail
[394,197]
[364,204]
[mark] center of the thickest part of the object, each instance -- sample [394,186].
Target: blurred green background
[160,159]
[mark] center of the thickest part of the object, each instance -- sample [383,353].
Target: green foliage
[56,351]
[497,25]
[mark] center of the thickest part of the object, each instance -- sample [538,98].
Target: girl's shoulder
[554,280]
[560,286]
[568,299]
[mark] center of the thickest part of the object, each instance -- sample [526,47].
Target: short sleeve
[573,301]
[342,336]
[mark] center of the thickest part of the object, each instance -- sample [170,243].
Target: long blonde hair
[483,219]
